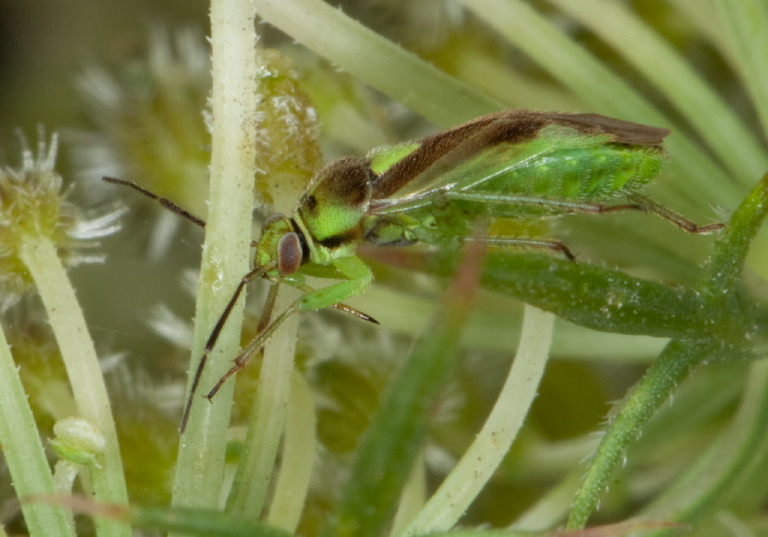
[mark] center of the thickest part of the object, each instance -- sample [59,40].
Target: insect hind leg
[636,203]
[649,206]
[646,205]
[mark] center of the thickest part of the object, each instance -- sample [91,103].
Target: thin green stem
[661,64]
[267,419]
[670,368]
[721,293]
[711,480]
[24,454]
[730,251]
[298,457]
[485,454]
[234,96]
[746,22]
[395,437]
[601,88]
[83,370]
[376,61]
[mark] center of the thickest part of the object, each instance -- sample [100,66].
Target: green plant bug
[511,164]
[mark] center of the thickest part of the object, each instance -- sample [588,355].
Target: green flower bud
[78,441]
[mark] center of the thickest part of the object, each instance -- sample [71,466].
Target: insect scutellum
[511,164]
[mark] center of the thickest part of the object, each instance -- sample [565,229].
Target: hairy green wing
[524,153]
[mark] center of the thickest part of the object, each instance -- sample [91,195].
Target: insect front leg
[360,277]
[214,337]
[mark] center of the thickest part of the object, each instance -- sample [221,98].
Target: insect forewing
[471,154]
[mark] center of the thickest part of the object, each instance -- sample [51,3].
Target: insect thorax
[434,224]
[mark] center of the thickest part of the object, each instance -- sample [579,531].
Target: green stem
[672,367]
[492,444]
[376,60]
[395,437]
[727,463]
[200,463]
[730,251]
[721,292]
[298,457]
[83,370]
[23,452]
[267,420]
[601,88]
[659,63]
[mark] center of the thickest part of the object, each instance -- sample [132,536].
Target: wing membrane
[465,157]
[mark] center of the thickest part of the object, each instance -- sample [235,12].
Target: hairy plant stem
[82,365]
[24,454]
[199,470]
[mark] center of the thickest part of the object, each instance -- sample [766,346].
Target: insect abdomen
[581,174]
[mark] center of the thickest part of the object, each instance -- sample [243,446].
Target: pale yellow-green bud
[77,440]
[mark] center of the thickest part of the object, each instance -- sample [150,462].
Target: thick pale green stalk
[267,419]
[225,253]
[24,454]
[83,370]
[480,461]
[376,61]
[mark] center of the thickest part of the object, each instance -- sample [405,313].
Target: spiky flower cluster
[33,207]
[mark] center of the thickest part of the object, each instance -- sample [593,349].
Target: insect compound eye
[289,254]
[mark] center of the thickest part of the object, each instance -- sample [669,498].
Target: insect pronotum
[511,164]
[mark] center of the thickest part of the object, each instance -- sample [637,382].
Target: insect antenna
[165,202]
[264,329]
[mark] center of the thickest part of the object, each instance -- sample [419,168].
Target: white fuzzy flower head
[33,206]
